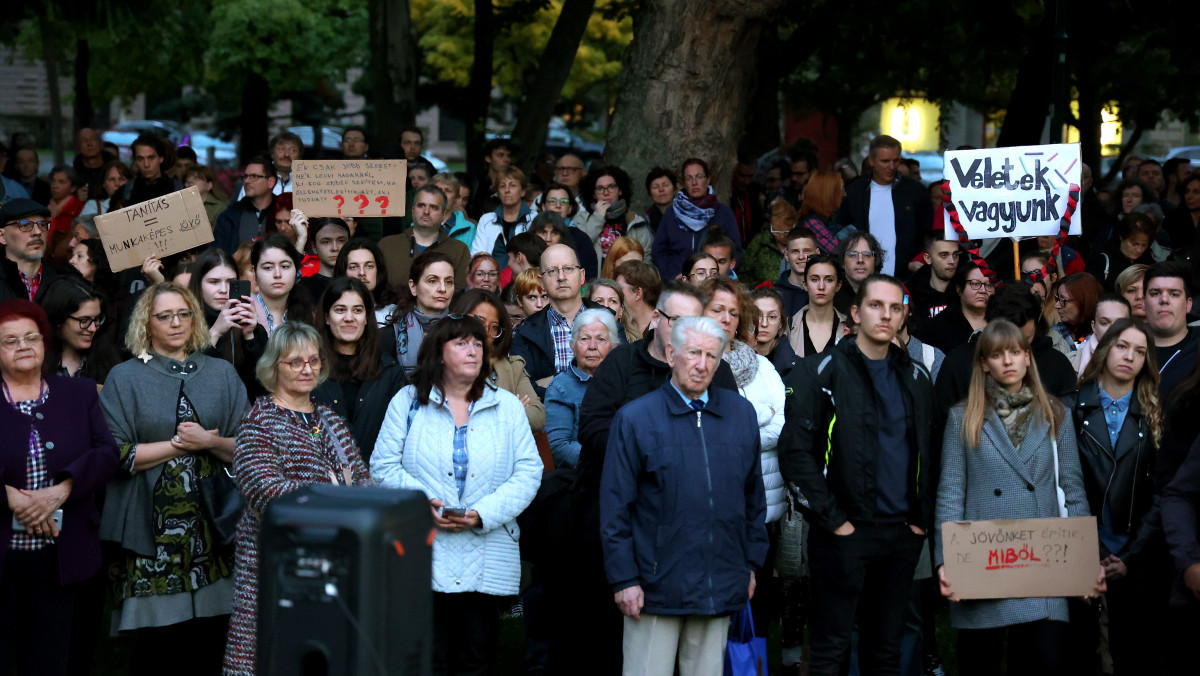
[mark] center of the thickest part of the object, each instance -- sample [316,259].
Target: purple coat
[83,450]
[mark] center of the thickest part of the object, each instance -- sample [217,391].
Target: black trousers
[204,638]
[35,614]
[466,633]
[1033,648]
[868,575]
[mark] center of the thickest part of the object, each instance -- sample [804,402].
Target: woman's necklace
[310,421]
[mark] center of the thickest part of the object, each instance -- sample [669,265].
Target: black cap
[20,208]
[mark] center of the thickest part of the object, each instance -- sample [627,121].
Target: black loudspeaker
[344,583]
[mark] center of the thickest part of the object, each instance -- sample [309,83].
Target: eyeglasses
[564,201]
[769,319]
[704,274]
[30,339]
[299,363]
[182,315]
[493,329]
[1059,300]
[85,322]
[564,270]
[977,284]
[606,188]
[856,255]
[486,274]
[27,226]
[253,177]
[695,179]
[669,318]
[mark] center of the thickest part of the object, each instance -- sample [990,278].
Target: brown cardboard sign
[162,226]
[1021,558]
[349,188]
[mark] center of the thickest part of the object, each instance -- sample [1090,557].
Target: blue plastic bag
[745,653]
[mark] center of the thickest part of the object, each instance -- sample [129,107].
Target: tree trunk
[479,88]
[84,113]
[50,57]
[529,134]
[1025,116]
[762,131]
[393,69]
[683,86]
[256,99]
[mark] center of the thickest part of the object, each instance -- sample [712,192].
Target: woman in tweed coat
[285,442]
[998,463]
[466,444]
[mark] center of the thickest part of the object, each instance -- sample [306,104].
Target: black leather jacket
[1122,477]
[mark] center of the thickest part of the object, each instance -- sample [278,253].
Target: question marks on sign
[363,201]
[340,201]
[383,203]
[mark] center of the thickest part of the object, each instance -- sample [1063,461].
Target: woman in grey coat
[998,463]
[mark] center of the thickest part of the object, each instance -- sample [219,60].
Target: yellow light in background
[1110,127]
[913,122]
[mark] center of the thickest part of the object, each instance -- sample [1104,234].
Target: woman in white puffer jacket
[467,446]
[757,379]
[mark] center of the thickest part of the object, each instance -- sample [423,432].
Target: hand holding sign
[159,227]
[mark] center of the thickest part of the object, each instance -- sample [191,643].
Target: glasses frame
[314,363]
[85,322]
[28,226]
[31,339]
[169,317]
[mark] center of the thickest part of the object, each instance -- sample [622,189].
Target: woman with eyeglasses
[1075,300]
[606,214]
[770,336]
[362,260]
[430,288]
[954,325]
[557,198]
[80,339]
[234,333]
[276,266]
[56,454]
[507,370]
[698,267]
[685,226]
[466,444]
[173,411]
[289,439]
[818,325]
[483,273]
[363,372]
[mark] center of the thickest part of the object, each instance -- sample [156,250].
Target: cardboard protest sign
[1021,558]
[1013,192]
[161,226]
[354,188]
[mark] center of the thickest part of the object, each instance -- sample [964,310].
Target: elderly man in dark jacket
[861,443]
[682,511]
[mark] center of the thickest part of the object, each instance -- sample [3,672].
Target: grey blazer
[998,481]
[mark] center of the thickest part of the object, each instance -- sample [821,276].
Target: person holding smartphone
[234,332]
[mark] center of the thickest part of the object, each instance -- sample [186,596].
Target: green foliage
[292,44]
[445,35]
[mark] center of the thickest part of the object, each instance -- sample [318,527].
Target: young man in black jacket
[861,443]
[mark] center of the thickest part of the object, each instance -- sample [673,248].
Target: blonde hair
[1002,334]
[137,339]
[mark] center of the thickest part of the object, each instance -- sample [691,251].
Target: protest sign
[161,226]
[1021,558]
[1013,192]
[353,188]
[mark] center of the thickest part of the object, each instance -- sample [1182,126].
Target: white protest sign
[1013,192]
[162,226]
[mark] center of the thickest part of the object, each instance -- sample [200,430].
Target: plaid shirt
[35,473]
[32,283]
[560,333]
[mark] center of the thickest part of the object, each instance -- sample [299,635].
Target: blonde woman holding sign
[1006,452]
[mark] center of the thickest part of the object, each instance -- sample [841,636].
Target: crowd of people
[629,426]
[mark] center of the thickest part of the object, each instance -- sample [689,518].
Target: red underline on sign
[1014,565]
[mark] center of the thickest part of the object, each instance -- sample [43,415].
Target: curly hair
[747,310]
[137,338]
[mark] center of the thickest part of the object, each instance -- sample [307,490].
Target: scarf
[409,331]
[614,226]
[692,214]
[1012,408]
[743,361]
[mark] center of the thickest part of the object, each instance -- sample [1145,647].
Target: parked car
[123,134]
[223,153]
[560,140]
[1189,153]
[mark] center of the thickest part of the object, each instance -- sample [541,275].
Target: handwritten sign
[161,226]
[1021,558]
[354,188]
[1013,192]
